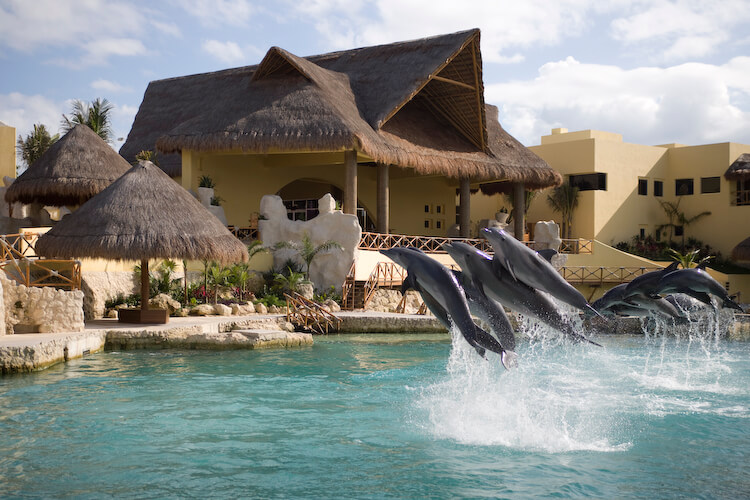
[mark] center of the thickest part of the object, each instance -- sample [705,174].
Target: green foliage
[160,279]
[564,199]
[129,300]
[37,143]
[254,248]
[96,115]
[285,283]
[217,276]
[330,293]
[147,155]
[270,299]
[689,259]
[307,251]
[677,218]
[216,201]
[206,182]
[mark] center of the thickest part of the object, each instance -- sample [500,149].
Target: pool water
[385,416]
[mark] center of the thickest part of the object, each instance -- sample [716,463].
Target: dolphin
[646,283]
[690,281]
[613,297]
[499,285]
[658,305]
[527,266]
[443,295]
[687,303]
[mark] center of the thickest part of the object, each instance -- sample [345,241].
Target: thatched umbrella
[71,171]
[740,169]
[741,253]
[142,215]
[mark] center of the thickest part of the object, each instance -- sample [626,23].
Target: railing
[347,289]
[385,274]
[309,315]
[244,233]
[432,244]
[20,263]
[587,275]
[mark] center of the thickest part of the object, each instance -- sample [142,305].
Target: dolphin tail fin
[509,359]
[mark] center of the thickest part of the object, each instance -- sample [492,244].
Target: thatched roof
[142,215]
[72,170]
[740,169]
[741,252]
[417,104]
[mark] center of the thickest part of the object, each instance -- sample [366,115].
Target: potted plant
[205,190]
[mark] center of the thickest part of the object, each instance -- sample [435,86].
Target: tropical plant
[218,276]
[254,248]
[37,142]
[160,278]
[288,282]
[239,277]
[307,250]
[528,198]
[96,115]
[216,201]
[564,199]
[206,182]
[678,219]
[689,259]
[147,155]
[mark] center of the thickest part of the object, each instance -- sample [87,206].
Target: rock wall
[100,286]
[41,309]
[384,300]
[328,268]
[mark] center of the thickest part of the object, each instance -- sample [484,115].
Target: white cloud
[108,86]
[689,103]
[226,52]
[219,12]
[676,30]
[23,111]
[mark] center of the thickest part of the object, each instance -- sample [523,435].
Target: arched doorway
[301,200]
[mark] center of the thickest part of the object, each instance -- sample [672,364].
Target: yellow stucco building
[621,185]
[7,151]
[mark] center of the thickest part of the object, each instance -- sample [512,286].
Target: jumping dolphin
[443,295]
[499,285]
[646,283]
[527,266]
[687,303]
[613,297]
[658,305]
[690,281]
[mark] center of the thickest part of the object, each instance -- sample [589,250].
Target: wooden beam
[350,182]
[384,199]
[464,220]
[454,82]
[482,145]
[519,207]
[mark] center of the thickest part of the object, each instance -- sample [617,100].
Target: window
[439,224]
[427,223]
[683,187]
[743,192]
[589,182]
[642,233]
[301,209]
[427,209]
[679,230]
[658,188]
[643,187]
[710,185]
[658,234]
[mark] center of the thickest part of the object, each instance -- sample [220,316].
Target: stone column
[464,207]
[384,199]
[188,169]
[350,182]
[519,208]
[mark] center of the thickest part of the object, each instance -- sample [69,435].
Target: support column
[144,285]
[464,208]
[189,169]
[384,199]
[350,182]
[519,209]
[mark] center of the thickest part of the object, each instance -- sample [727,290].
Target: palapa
[72,170]
[741,253]
[142,215]
[740,169]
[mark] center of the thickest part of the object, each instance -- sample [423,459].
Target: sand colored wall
[7,151]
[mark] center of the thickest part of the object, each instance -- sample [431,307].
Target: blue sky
[657,71]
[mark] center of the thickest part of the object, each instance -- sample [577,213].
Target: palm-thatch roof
[142,215]
[417,104]
[740,169]
[72,170]
[741,253]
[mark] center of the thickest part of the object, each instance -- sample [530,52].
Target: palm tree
[689,259]
[564,199]
[307,251]
[218,276]
[528,197]
[95,115]
[678,219]
[36,144]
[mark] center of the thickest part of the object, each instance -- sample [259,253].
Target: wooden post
[464,208]
[519,208]
[189,168]
[350,182]
[144,285]
[384,199]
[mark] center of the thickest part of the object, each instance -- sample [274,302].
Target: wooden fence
[19,261]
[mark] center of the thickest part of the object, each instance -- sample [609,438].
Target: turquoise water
[385,417]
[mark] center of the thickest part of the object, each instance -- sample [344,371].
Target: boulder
[332,305]
[164,301]
[202,310]
[100,286]
[222,310]
[547,235]
[261,308]
[307,290]
[274,310]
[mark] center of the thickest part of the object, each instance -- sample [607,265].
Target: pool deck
[29,352]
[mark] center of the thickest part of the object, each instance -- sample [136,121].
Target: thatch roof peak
[740,169]
[75,168]
[142,215]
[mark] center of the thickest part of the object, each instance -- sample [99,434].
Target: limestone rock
[202,310]
[111,313]
[385,300]
[222,310]
[261,308]
[41,309]
[235,309]
[307,290]
[331,305]
[164,301]
[100,286]
[181,313]
[547,235]
[274,310]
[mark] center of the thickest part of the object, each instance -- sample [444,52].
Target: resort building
[622,184]
[7,151]
[397,129]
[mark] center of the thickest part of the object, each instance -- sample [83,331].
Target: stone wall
[384,300]
[100,286]
[41,309]
[328,268]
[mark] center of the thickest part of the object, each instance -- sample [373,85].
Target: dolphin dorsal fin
[671,267]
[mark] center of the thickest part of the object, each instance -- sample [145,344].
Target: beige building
[7,151]
[621,185]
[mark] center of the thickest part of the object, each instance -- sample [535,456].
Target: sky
[661,71]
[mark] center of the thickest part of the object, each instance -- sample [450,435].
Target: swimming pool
[385,416]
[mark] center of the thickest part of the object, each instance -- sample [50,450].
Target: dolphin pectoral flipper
[408,284]
[591,309]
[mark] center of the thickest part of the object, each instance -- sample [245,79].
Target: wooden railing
[19,261]
[432,244]
[588,275]
[309,315]
[385,274]
[347,289]
[244,233]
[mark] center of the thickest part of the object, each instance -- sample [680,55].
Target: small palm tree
[688,260]
[37,143]
[95,115]
[288,282]
[307,251]
[147,155]
[240,275]
[218,276]
[678,219]
[564,199]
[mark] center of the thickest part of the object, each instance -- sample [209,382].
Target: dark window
[427,209]
[683,187]
[642,233]
[710,184]
[679,230]
[438,224]
[643,187]
[658,235]
[589,182]
[743,192]
[427,224]
[658,188]
[438,209]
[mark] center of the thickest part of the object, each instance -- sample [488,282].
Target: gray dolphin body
[687,303]
[615,296]
[697,283]
[443,295]
[527,266]
[497,284]
[647,283]
[657,305]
